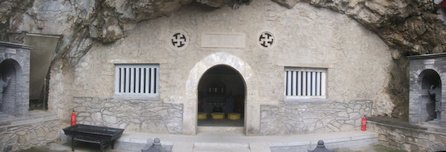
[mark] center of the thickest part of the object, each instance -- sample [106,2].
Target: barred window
[305,83]
[141,79]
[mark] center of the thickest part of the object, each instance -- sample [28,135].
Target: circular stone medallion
[266,39]
[179,40]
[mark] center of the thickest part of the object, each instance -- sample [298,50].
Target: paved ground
[57,147]
[214,139]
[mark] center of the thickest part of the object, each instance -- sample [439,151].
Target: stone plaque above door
[223,40]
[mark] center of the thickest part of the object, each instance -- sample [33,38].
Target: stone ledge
[399,124]
[33,117]
[427,56]
[402,135]
[13,45]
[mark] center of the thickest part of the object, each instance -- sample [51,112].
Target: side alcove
[426,103]
[14,79]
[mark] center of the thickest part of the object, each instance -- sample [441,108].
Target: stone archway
[195,74]
[430,93]
[221,92]
[10,83]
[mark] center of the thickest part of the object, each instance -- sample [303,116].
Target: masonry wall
[302,118]
[17,97]
[132,114]
[402,135]
[417,94]
[23,133]
[356,60]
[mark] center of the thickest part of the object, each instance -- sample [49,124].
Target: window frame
[323,83]
[154,96]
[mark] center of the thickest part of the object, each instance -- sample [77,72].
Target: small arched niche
[10,76]
[430,83]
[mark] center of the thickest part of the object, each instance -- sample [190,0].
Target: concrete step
[221,147]
[213,129]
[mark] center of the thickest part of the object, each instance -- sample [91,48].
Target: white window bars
[137,79]
[305,83]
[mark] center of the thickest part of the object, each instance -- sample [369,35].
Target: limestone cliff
[411,26]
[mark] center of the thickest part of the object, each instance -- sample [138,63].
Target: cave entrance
[431,95]
[221,97]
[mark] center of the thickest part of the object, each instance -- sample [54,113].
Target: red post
[363,123]
[73,118]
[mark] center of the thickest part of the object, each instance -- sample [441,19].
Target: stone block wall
[402,135]
[16,97]
[313,117]
[37,130]
[131,114]
[418,94]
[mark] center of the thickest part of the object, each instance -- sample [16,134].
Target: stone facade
[132,114]
[14,66]
[318,117]
[427,71]
[402,135]
[36,130]
[321,39]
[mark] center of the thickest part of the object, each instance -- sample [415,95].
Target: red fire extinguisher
[363,123]
[73,118]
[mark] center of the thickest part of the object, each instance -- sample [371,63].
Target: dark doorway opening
[221,97]
[9,79]
[431,88]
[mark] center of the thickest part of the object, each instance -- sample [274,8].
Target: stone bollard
[320,147]
[155,147]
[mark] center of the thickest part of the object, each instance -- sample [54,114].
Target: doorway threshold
[221,123]
[223,130]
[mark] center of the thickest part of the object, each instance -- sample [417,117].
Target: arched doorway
[431,95]
[9,81]
[221,97]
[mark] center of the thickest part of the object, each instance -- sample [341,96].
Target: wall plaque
[223,40]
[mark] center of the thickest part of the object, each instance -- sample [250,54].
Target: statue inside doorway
[442,9]
[433,106]
[3,85]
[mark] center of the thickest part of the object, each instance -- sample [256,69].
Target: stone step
[213,129]
[221,147]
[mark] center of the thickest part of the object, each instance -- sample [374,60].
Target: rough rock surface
[411,26]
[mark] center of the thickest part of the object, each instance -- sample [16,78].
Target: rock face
[411,26]
[8,10]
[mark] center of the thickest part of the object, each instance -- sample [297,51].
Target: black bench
[103,136]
